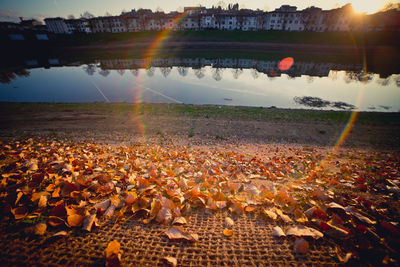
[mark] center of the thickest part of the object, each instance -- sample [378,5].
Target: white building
[56,25]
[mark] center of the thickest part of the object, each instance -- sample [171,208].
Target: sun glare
[367,6]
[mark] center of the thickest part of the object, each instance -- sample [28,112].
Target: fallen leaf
[171,261]
[75,220]
[179,220]
[284,217]
[20,212]
[301,246]
[176,233]
[270,214]
[229,222]
[228,232]
[277,231]
[88,222]
[113,255]
[304,231]
[103,205]
[40,228]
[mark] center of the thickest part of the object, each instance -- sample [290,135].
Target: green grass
[346,38]
[205,111]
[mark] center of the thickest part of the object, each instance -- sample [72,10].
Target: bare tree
[254,73]
[217,74]
[199,73]
[71,16]
[121,72]
[108,14]
[150,71]
[165,71]
[87,15]
[236,73]
[135,72]
[104,73]
[183,71]
[90,69]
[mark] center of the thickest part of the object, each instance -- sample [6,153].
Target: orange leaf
[228,232]
[113,257]
[75,220]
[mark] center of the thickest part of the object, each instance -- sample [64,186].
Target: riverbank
[199,124]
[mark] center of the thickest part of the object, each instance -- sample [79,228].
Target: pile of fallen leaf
[349,198]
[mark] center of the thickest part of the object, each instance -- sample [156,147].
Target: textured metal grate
[146,245]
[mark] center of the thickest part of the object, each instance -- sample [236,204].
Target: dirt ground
[181,129]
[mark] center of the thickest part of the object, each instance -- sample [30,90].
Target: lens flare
[139,87]
[286,63]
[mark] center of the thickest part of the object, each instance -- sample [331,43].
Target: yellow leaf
[227,232]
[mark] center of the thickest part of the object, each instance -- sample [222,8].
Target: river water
[310,84]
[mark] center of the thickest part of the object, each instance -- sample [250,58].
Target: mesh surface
[146,245]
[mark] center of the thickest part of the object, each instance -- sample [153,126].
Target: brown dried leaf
[301,246]
[229,222]
[179,220]
[20,212]
[171,261]
[40,228]
[88,222]
[176,233]
[284,217]
[277,231]
[304,231]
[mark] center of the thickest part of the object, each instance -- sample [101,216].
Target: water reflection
[201,80]
[317,102]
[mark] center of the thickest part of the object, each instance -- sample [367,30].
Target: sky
[10,10]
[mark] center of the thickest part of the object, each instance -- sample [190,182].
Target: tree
[183,71]
[104,73]
[199,73]
[254,73]
[90,69]
[71,16]
[165,71]
[236,73]
[217,74]
[108,14]
[87,15]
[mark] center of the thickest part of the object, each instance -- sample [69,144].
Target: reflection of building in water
[268,67]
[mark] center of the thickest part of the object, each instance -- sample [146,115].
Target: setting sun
[370,7]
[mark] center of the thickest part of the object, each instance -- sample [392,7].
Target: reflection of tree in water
[254,73]
[236,73]
[310,79]
[199,72]
[22,73]
[8,76]
[397,80]
[183,71]
[165,71]
[383,82]
[121,72]
[316,102]
[135,72]
[217,74]
[104,73]
[150,71]
[334,75]
[90,69]
[359,76]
